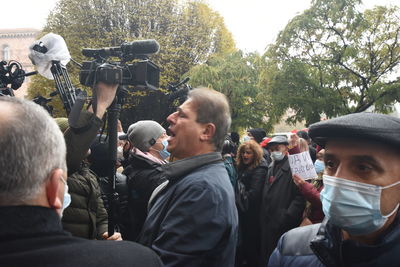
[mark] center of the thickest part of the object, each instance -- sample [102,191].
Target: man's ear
[208,132]
[53,189]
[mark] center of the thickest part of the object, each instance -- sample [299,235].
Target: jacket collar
[22,221]
[328,243]
[284,164]
[179,168]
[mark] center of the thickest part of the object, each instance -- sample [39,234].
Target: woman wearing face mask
[252,171]
[148,153]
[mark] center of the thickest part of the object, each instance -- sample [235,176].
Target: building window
[6,52]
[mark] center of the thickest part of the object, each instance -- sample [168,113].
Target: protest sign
[302,165]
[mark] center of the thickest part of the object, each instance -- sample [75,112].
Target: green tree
[236,75]
[334,59]
[188,32]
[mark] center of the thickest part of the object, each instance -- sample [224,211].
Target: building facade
[14,45]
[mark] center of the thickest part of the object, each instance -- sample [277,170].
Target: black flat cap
[279,139]
[367,126]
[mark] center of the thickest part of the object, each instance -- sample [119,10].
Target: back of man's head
[32,146]
[212,107]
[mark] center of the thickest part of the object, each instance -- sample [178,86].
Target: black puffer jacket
[86,216]
[143,176]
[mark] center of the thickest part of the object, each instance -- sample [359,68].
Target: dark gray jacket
[193,221]
[281,209]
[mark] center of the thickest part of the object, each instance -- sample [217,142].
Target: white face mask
[277,155]
[67,197]
[354,206]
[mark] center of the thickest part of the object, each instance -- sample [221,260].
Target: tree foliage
[188,32]
[334,59]
[236,75]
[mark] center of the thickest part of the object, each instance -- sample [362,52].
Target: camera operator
[86,216]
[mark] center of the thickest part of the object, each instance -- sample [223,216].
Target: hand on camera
[105,96]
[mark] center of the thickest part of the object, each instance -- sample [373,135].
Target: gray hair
[31,145]
[212,107]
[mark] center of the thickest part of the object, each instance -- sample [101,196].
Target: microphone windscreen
[51,47]
[141,47]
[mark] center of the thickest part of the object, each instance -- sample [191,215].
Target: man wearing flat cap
[282,203]
[360,198]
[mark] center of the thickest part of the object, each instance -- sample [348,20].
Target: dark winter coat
[267,156]
[321,245]
[193,222]
[79,139]
[282,207]
[249,220]
[86,216]
[33,236]
[143,176]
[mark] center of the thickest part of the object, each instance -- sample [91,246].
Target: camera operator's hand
[105,96]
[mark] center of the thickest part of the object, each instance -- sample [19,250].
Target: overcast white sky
[253,23]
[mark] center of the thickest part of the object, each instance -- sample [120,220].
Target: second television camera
[141,73]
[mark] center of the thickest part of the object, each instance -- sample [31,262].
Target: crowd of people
[194,195]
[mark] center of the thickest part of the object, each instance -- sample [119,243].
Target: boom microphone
[141,47]
[102,52]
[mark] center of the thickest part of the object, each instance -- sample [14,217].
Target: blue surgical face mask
[277,155]
[67,197]
[353,206]
[164,154]
[319,166]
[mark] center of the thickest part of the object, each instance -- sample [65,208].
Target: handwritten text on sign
[302,165]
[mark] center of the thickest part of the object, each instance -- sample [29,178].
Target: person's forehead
[247,149]
[352,146]
[276,145]
[188,106]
